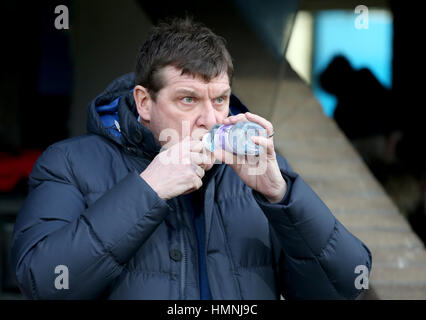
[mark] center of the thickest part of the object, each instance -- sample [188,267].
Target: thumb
[266,143]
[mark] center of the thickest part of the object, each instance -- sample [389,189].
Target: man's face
[188,105]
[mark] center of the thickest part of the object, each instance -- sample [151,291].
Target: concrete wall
[322,155]
[105,36]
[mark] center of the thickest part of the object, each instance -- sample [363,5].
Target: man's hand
[262,172]
[177,170]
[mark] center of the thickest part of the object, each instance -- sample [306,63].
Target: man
[123,220]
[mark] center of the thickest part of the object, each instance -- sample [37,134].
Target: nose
[207,118]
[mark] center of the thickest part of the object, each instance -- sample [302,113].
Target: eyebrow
[193,93]
[226,92]
[187,92]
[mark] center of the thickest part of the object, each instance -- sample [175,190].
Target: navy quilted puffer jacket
[89,210]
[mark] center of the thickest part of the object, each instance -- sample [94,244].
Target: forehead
[173,79]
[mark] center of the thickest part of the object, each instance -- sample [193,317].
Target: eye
[220,100]
[188,100]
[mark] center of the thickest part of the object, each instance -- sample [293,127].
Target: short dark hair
[186,45]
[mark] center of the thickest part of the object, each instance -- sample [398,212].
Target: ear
[143,102]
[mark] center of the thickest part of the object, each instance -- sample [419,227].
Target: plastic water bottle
[235,138]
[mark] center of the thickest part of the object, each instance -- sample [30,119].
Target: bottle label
[235,138]
[222,135]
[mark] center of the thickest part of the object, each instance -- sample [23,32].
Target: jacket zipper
[183,251]
[183,267]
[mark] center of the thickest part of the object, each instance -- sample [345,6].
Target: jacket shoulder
[83,143]
[75,160]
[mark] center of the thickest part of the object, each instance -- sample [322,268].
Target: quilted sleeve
[55,228]
[316,255]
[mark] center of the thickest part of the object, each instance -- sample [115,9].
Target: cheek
[163,116]
[155,121]
[160,124]
[180,123]
[222,115]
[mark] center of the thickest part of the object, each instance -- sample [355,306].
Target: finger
[197,183]
[259,120]
[184,146]
[266,143]
[199,171]
[192,189]
[196,146]
[197,134]
[234,119]
[200,158]
[189,191]
[189,146]
[228,157]
[238,117]
[187,139]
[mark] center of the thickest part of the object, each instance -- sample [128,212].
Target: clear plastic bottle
[235,138]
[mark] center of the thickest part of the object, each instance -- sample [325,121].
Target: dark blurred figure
[408,70]
[363,105]
[367,113]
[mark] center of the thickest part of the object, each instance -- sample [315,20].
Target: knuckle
[196,182]
[188,170]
